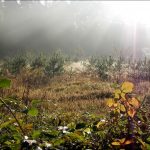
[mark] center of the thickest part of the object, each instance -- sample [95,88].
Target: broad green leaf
[35,102]
[71,125]
[8,143]
[75,137]
[148,139]
[36,134]
[87,130]
[147,146]
[114,85]
[5,83]
[127,87]
[141,141]
[1,103]
[5,124]
[58,142]
[33,112]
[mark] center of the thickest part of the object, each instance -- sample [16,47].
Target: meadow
[57,103]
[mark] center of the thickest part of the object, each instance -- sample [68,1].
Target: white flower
[16,124]
[89,132]
[60,128]
[121,115]
[103,120]
[48,144]
[38,148]
[65,128]
[30,141]
[65,132]
[25,137]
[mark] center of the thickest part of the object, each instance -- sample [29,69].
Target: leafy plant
[124,109]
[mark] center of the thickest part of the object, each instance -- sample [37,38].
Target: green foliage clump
[38,62]
[55,65]
[15,65]
[101,66]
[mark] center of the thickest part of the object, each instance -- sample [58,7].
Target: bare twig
[23,133]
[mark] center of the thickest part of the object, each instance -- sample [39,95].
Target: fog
[85,27]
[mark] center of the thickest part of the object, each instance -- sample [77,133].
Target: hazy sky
[95,27]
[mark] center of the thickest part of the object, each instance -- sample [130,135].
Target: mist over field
[90,27]
[74,75]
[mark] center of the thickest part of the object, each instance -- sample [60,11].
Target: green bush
[15,65]
[55,65]
[101,66]
[38,62]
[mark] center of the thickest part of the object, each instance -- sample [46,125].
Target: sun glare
[130,12]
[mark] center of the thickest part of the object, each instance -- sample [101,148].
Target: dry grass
[77,94]
[80,93]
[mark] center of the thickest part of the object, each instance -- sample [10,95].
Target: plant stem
[23,133]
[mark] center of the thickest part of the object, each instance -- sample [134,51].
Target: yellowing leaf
[131,112]
[123,96]
[122,108]
[110,102]
[117,110]
[128,142]
[117,93]
[127,87]
[87,130]
[100,124]
[122,140]
[116,143]
[134,102]
[141,141]
[115,104]
[28,126]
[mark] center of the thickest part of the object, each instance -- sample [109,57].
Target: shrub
[101,66]
[55,65]
[15,65]
[38,62]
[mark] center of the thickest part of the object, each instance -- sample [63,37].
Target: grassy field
[71,111]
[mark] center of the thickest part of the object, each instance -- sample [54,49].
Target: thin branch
[13,115]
